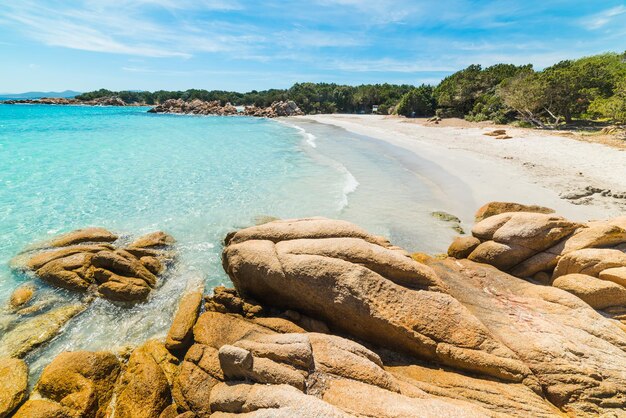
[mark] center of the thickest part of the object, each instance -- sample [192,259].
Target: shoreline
[518,169]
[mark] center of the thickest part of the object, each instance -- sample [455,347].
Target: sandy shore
[581,180]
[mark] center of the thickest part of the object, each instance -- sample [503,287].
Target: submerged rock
[13,384]
[36,331]
[86,259]
[21,296]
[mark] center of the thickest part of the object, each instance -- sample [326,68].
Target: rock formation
[201,107]
[587,260]
[88,259]
[329,320]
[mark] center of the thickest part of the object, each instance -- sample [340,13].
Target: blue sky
[244,45]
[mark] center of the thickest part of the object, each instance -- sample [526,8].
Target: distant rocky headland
[525,317]
[178,106]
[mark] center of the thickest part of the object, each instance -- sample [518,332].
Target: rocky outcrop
[87,259]
[100,101]
[13,384]
[194,107]
[587,260]
[75,384]
[366,288]
[276,109]
[201,107]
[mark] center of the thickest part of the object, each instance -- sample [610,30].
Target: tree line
[587,88]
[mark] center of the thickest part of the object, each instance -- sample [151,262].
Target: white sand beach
[581,180]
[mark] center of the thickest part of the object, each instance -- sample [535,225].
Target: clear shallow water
[197,178]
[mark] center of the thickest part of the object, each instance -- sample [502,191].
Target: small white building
[375,109]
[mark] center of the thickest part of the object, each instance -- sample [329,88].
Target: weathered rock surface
[461,247]
[144,389]
[13,384]
[280,401]
[367,290]
[496,208]
[21,296]
[180,334]
[86,259]
[34,332]
[75,384]
[201,107]
[599,294]
[577,355]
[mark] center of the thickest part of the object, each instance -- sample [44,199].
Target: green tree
[417,102]
[525,94]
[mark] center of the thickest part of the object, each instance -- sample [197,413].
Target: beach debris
[87,259]
[434,119]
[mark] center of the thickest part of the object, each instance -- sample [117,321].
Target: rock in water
[21,296]
[365,289]
[180,335]
[13,384]
[32,333]
[86,259]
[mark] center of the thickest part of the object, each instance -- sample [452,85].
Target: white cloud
[600,20]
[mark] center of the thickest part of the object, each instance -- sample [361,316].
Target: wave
[349,186]
[308,137]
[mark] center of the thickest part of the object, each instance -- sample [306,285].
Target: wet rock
[496,208]
[599,294]
[180,334]
[80,382]
[362,289]
[85,259]
[34,332]
[157,239]
[461,247]
[455,223]
[21,296]
[81,236]
[144,389]
[13,384]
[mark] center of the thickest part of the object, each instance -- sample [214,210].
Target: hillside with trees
[589,88]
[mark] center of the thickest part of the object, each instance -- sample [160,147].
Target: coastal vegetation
[589,88]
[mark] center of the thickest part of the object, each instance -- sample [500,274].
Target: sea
[197,178]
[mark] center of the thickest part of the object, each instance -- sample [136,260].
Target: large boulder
[599,294]
[32,333]
[589,261]
[180,334]
[496,208]
[144,389]
[358,283]
[508,239]
[13,384]
[88,259]
[77,383]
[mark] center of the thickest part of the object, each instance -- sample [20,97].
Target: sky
[244,45]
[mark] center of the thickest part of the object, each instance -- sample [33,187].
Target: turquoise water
[68,167]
